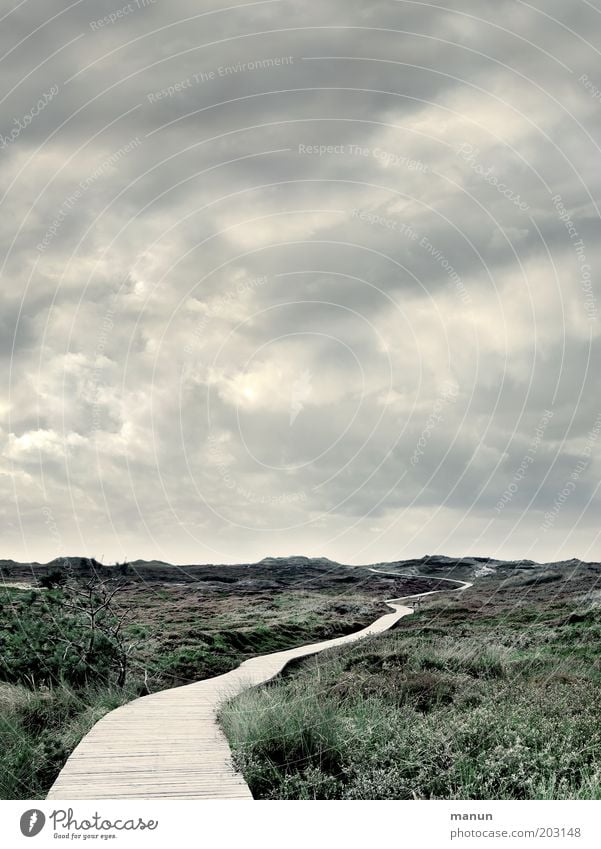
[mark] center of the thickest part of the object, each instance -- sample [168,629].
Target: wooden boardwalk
[169,745]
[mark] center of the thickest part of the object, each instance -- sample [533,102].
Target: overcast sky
[284,278]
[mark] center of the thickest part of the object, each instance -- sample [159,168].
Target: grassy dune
[40,728]
[491,694]
[499,699]
[178,632]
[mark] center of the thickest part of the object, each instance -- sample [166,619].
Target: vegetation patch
[84,639]
[502,704]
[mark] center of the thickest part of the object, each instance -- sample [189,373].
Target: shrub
[38,730]
[448,722]
[70,634]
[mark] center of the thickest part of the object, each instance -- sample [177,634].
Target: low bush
[453,719]
[39,729]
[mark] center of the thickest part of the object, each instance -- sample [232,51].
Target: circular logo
[32,822]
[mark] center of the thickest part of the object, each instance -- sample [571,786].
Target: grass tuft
[482,715]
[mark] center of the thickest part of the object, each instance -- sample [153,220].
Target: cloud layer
[313,280]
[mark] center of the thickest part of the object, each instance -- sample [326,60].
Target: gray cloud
[248,253]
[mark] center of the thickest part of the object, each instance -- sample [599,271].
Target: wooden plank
[169,745]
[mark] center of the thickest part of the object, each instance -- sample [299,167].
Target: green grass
[196,655]
[473,711]
[463,701]
[40,728]
[177,639]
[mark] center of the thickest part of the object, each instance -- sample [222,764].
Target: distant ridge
[297,560]
[462,568]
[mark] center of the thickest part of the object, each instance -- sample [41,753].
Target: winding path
[169,745]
